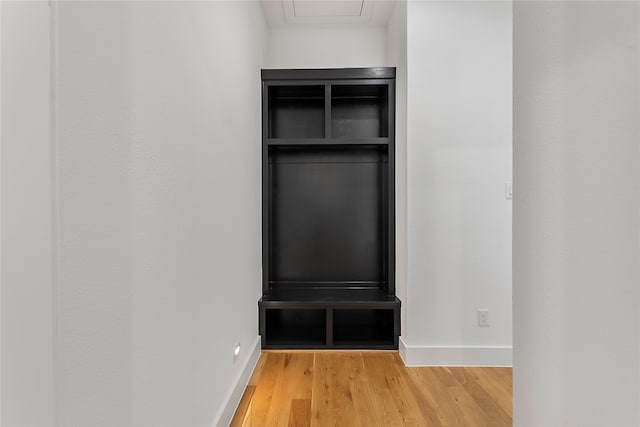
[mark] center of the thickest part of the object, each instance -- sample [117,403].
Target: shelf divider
[328,141]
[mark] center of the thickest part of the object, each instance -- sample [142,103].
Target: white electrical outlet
[483,317]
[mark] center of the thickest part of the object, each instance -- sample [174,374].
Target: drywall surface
[459,158]
[397,57]
[576,217]
[159,180]
[27,229]
[326,47]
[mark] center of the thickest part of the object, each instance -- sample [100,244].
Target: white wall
[159,132]
[459,158]
[397,57]
[158,202]
[94,140]
[326,47]
[26,212]
[576,213]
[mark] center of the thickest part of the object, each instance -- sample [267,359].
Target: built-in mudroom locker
[328,211]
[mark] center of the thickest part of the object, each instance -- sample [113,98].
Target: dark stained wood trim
[329,73]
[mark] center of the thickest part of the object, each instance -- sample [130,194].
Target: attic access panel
[328,215]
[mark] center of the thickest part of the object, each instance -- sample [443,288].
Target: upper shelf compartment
[296,111]
[360,111]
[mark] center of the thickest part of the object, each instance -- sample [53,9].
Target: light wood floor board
[370,389]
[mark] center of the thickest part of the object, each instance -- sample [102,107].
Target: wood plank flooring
[370,389]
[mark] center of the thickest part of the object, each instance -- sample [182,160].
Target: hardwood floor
[370,389]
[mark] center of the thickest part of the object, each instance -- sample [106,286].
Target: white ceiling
[296,13]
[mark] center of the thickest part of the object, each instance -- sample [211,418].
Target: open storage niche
[364,327]
[328,209]
[296,111]
[292,327]
[359,111]
[327,215]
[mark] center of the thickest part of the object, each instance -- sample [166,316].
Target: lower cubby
[363,327]
[329,323]
[295,327]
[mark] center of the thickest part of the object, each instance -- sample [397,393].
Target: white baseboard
[233,399]
[455,356]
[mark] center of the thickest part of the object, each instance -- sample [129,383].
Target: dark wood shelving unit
[328,212]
